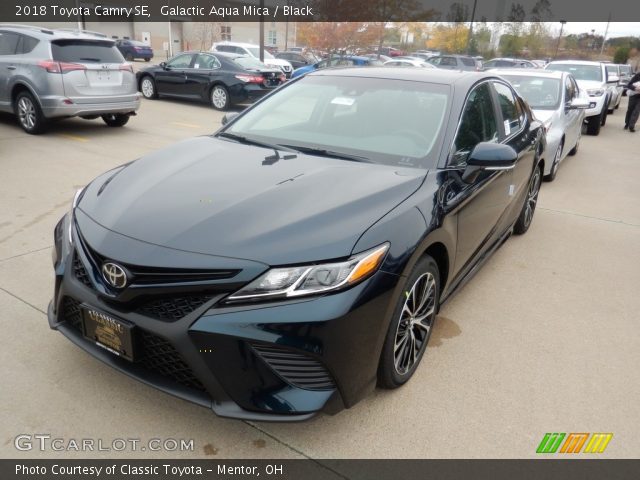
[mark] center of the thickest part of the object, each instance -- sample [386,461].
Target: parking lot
[543,339]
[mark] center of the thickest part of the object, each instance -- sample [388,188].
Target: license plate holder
[108,332]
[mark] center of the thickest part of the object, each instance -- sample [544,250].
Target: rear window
[469,62]
[85,51]
[579,72]
[249,63]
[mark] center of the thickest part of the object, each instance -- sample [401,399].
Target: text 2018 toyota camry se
[297,258]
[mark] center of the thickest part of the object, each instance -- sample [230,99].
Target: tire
[398,361]
[29,114]
[219,97]
[529,207]
[147,59]
[605,112]
[594,124]
[555,164]
[148,87]
[115,119]
[574,150]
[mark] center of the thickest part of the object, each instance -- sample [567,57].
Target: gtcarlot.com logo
[573,443]
[47,443]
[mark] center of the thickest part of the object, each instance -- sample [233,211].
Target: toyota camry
[296,259]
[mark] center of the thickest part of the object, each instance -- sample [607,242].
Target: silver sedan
[556,101]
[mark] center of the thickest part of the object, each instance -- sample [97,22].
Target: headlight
[76,199]
[310,279]
[595,92]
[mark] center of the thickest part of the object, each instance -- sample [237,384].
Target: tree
[336,36]
[621,55]
[203,35]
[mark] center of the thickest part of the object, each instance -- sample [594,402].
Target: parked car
[47,74]
[508,63]
[221,79]
[337,61]
[613,70]
[423,55]
[254,51]
[132,49]
[378,57]
[298,59]
[558,102]
[299,256]
[407,62]
[591,77]
[388,51]
[454,62]
[625,76]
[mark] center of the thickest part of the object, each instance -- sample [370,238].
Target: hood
[543,115]
[587,84]
[276,61]
[213,196]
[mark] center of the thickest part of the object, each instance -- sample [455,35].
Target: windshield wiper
[270,160]
[322,152]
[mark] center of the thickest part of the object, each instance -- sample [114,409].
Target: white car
[601,88]
[254,51]
[558,102]
[407,62]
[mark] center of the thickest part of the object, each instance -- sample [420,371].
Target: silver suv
[46,74]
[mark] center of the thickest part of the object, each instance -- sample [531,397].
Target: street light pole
[562,22]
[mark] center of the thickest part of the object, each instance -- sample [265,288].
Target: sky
[616,29]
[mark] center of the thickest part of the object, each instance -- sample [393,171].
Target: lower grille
[156,354]
[296,369]
[80,272]
[173,308]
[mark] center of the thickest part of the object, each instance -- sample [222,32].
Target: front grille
[80,272]
[296,369]
[158,355]
[155,353]
[173,308]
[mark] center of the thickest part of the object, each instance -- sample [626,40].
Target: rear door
[203,72]
[172,79]
[94,71]
[8,46]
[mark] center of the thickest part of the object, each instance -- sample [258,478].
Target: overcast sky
[616,29]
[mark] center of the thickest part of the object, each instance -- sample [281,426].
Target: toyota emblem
[114,275]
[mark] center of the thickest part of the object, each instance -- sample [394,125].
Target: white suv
[253,51]
[600,85]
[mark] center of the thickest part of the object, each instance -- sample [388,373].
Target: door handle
[11,67]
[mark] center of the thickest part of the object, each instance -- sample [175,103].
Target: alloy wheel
[147,88]
[532,197]
[27,113]
[219,98]
[416,322]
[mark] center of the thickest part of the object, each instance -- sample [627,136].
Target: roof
[426,75]
[529,72]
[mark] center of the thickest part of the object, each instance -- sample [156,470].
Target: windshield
[393,122]
[540,93]
[625,68]
[256,52]
[579,72]
[249,63]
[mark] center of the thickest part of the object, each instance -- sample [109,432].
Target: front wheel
[115,119]
[593,125]
[220,97]
[148,88]
[411,325]
[528,209]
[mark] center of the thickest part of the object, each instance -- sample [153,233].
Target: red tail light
[126,67]
[250,78]
[52,66]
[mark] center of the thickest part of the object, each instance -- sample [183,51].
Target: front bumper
[59,106]
[281,361]
[598,105]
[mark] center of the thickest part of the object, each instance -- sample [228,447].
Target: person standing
[633,109]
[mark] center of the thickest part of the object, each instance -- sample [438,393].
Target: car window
[85,51]
[448,61]
[477,124]
[469,62]
[8,43]
[181,61]
[490,64]
[569,90]
[206,62]
[508,107]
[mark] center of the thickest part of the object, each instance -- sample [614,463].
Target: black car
[132,49]
[297,258]
[222,79]
[297,59]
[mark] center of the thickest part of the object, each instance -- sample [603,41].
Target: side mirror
[613,79]
[578,103]
[489,156]
[228,117]
[163,65]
